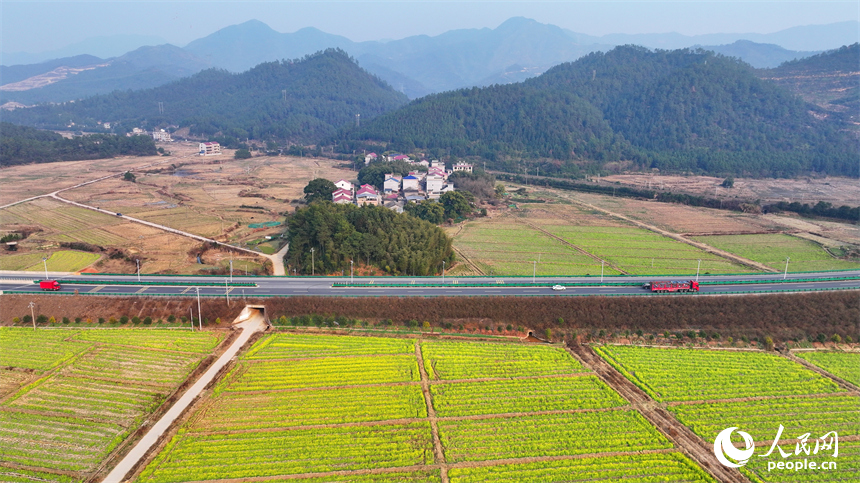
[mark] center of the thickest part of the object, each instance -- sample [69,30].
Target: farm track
[812,367]
[702,246]
[687,441]
[468,262]
[431,415]
[575,247]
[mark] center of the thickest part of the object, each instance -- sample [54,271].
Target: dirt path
[278,260]
[687,441]
[249,328]
[680,238]
[580,250]
[468,262]
[431,415]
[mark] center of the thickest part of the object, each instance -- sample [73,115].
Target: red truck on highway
[49,285]
[663,287]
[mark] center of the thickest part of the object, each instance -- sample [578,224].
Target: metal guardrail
[157,284]
[373,284]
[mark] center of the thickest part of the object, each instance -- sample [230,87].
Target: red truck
[663,287]
[49,285]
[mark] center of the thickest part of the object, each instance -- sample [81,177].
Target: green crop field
[472,360]
[691,375]
[548,435]
[336,404]
[19,261]
[74,395]
[169,340]
[77,223]
[66,261]
[640,252]
[501,248]
[640,468]
[841,364]
[846,470]
[523,395]
[773,249]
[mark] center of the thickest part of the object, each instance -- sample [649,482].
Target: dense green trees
[683,110]
[296,100]
[396,243]
[426,210]
[319,189]
[21,145]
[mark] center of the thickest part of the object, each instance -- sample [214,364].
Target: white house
[433,182]
[162,136]
[344,185]
[462,167]
[391,183]
[210,149]
[411,183]
[369,157]
[366,195]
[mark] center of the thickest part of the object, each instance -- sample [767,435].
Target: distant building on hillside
[462,167]
[369,157]
[344,185]
[210,149]
[162,136]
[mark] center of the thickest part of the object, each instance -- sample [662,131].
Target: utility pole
[227,292]
[231,267]
[443,272]
[313,269]
[199,312]
[45,261]
[601,271]
[33,314]
[697,269]
[191,320]
[786,267]
[137,261]
[534,270]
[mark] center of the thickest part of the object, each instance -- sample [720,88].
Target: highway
[12,282]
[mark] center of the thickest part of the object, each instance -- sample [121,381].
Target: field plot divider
[688,442]
[431,414]
[575,247]
[812,367]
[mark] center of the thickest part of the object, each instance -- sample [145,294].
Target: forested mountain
[20,145]
[298,100]
[830,80]
[760,56]
[673,110]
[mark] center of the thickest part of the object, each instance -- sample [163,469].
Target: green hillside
[677,110]
[297,100]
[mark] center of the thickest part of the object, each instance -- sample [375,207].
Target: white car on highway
[558,287]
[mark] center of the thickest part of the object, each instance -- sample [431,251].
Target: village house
[342,196]
[210,149]
[391,183]
[369,157]
[366,195]
[411,182]
[344,185]
[162,136]
[460,166]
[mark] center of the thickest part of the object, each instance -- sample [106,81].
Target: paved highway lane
[322,286]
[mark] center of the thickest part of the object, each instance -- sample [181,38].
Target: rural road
[12,282]
[118,474]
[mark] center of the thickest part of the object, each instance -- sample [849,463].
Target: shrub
[15,320]
[426,325]
[768,343]
[560,321]
[66,320]
[171,318]
[822,338]
[283,320]
[509,327]
[52,320]
[101,320]
[147,321]
[184,319]
[123,320]
[548,334]
[41,319]
[848,339]
[218,321]
[730,340]
[78,320]
[836,338]
[135,320]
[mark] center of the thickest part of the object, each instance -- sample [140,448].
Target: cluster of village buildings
[160,135]
[398,190]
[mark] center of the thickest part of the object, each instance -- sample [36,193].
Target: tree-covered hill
[22,145]
[677,110]
[299,100]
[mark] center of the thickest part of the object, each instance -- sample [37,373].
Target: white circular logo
[723,447]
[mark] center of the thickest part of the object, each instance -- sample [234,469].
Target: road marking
[97,289]
[142,290]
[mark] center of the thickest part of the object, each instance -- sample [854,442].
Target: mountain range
[516,50]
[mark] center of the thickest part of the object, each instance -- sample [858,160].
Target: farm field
[501,246]
[841,364]
[772,250]
[67,261]
[82,397]
[755,392]
[695,375]
[344,410]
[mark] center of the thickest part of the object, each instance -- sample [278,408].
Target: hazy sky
[37,26]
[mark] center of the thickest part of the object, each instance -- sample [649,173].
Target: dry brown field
[836,190]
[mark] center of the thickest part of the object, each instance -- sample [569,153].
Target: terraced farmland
[85,392]
[757,393]
[66,261]
[841,364]
[333,405]
[773,249]
[694,375]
